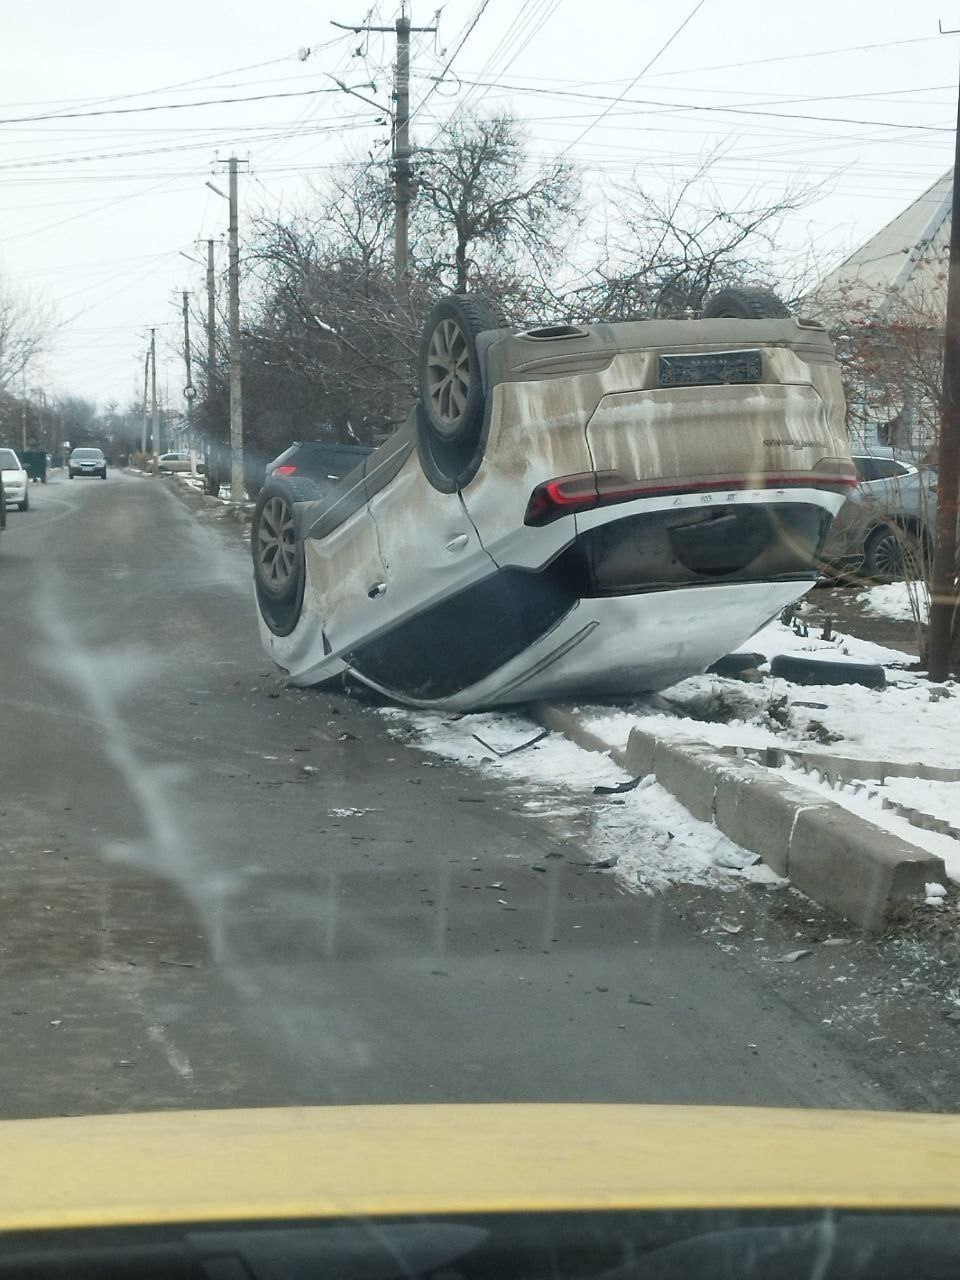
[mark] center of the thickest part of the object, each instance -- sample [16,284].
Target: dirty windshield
[480,610]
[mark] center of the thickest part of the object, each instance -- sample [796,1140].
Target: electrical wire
[164,106]
[438,80]
[656,57]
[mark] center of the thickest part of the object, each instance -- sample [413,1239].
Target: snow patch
[644,835]
[896,600]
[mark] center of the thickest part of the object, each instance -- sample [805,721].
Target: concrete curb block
[845,768]
[838,859]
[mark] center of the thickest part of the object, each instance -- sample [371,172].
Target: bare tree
[483,207]
[890,348]
[660,255]
[25,326]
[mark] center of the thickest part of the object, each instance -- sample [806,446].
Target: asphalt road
[185,919]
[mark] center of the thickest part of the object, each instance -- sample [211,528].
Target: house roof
[904,263]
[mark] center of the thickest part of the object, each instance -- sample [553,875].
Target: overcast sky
[96,209]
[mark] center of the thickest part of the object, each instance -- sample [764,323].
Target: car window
[888,469]
[871,468]
[8,460]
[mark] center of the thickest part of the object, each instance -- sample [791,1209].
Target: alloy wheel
[276,544]
[448,374]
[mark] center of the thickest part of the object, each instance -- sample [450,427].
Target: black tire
[276,544]
[70,474]
[734,664]
[888,551]
[744,304]
[452,406]
[25,504]
[787,666]
[103,476]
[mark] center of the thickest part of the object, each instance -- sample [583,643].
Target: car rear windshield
[869,468]
[8,460]
[87,454]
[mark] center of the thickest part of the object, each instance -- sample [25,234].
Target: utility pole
[39,394]
[143,428]
[211,354]
[943,587]
[23,409]
[402,150]
[236,388]
[402,169]
[153,402]
[188,391]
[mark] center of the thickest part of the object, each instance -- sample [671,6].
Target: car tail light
[288,469]
[588,489]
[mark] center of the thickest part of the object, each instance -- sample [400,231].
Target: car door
[429,546]
[345,570]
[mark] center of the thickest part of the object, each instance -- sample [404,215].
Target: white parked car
[169,462]
[570,510]
[15,481]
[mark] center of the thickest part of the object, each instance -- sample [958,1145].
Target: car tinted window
[8,460]
[870,468]
[887,469]
[89,454]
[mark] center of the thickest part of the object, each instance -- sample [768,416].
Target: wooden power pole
[188,388]
[237,488]
[943,587]
[155,419]
[402,150]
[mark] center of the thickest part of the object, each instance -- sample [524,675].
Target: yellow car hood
[324,1162]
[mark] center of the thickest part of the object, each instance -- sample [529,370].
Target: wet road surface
[186,919]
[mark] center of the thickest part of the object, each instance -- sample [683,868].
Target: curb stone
[841,861]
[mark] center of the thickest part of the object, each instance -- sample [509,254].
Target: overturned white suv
[573,510]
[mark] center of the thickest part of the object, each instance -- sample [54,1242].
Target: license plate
[710,368]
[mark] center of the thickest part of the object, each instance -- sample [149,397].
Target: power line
[187,84]
[663,48]
[164,106]
[437,80]
[796,57]
[712,107]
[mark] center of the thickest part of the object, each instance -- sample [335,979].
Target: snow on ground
[868,803]
[645,834]
[895,600]
[908,721]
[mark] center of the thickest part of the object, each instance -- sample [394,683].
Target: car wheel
[888,552]
[70,474]
[452,401]
[744,304]
[276,544]
[25,504]
[103,475]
